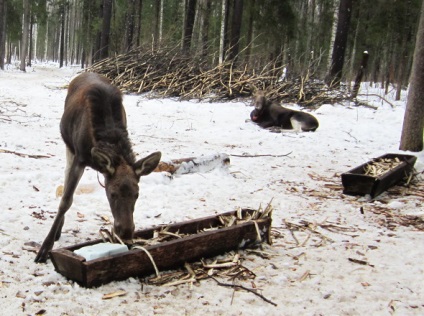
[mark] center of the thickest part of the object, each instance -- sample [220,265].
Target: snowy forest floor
[333,254]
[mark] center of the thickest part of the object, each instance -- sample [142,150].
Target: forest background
[299,34]
[329,41]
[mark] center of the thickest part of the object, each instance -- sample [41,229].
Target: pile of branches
[171,73]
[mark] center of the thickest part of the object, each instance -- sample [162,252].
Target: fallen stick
[265,155]
[235,286]
[23,155]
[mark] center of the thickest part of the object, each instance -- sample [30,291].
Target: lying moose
[93,127]
[270,114]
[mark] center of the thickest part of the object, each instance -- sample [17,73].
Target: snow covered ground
[348,263]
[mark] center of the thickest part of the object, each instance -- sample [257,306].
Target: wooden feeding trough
[200,238]
[378,174]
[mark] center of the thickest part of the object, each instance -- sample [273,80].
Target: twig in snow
[254,156]
[5,151]
[235,286]
[376,95]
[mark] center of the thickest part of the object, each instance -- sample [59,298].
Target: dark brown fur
[93,127]
[269,114]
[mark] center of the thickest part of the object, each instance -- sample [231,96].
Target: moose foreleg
[73,174]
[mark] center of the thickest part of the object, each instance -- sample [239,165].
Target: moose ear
[147,164]
[102,159]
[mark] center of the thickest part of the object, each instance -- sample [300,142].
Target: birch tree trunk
[413,121]
[333,31]
[223,30]
[160,20]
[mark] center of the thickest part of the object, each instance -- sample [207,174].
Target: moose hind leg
[73,174]
[297,125]
[304,122]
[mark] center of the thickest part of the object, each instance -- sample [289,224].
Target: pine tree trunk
[413,122]
[204,14]
[62,35]
[104,39]
[2,32]
[337,60]
[190,14]
[24,39]
[129,25]
[360,75]
[137,26]
[235,29]
[31,24]
[250,31]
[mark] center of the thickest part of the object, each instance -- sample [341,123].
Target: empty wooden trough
[371,179]
[201,238]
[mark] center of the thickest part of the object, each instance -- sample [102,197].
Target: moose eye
[114,195]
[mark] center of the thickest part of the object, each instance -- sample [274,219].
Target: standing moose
[93,127]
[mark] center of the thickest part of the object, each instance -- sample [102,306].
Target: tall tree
[137,26]
[223,30]
[105,34]
[340,42]
[236,20]
[204,9]
[190,14]
[157,26]
[250,30]
[336,5]
[413,122]
[62,34]
[130,25]
[25,35]
[403,49]
[2,31]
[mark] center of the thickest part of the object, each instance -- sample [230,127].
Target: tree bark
[337,60]
[413,122]
[24,39]
[104,39]
[360,75]
[223,30]
[205,10]
[250,31]
[129,25]
[333,30]
[156,24]
[235,29]
[2,32]
[62,35]
[188,24]
[137,26]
